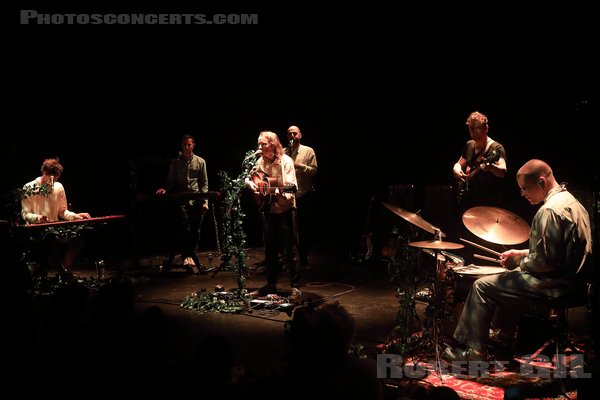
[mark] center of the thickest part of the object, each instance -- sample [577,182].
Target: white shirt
[53,206]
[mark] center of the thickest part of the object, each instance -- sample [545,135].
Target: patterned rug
[503,386]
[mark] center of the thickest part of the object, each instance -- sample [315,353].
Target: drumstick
[481,247]
[486,258]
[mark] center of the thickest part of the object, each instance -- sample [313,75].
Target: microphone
[291,142]
[257,152]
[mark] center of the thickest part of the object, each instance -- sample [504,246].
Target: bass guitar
[267,189]
[463,188]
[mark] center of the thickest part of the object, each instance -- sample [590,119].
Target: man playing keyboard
[43,201]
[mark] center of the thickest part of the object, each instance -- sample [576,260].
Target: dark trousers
[185,236]
[305,205]
[281,244]
[56,252]
[507,295]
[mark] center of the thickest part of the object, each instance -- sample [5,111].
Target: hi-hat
[413,218]
[436,245]
[496,225]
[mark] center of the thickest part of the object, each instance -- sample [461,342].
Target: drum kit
[451,276]
[491,224]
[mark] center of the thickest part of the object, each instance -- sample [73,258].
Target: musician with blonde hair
[279,209]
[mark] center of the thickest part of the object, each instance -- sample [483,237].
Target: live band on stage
[106,237]
[492,224]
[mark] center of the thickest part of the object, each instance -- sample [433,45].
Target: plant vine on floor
[233,244]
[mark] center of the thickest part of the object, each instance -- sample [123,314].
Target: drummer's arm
[511,259]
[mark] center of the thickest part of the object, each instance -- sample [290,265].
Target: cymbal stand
[435,309]
[214,215]
[437,303]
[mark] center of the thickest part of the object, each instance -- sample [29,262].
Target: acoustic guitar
[267,188]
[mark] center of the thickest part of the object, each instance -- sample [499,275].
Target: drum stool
[559,307]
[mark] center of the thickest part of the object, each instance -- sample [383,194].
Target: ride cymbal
[496,225]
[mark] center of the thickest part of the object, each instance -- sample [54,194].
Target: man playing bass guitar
[481,168]
[480,173]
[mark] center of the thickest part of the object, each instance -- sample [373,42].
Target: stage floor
[258,338]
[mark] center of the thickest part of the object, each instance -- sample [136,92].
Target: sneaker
[452,354]
[189,262]
[295,295]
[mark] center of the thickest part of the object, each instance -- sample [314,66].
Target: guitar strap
[484,150]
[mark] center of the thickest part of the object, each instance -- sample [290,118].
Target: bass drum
[463,277]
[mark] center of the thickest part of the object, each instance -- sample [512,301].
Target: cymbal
[496,225]
[436,244]
[413,218]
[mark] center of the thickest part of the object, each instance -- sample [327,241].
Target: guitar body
[463,188]
[267,188]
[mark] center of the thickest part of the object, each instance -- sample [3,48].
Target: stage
[258,336]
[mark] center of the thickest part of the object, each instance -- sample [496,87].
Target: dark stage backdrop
[381,106]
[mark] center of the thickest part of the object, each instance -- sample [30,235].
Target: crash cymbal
[496,225]
[436,245]
[413,218]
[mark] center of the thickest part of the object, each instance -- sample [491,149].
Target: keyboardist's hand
[82,216]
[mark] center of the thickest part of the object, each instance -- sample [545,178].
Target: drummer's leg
[507,293]
[472,329]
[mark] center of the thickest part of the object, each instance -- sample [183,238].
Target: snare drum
[465,275]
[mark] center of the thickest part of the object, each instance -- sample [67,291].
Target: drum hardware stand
[438,308]
[435,309]
[216,230]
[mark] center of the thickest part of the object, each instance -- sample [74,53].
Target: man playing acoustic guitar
[279,211]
